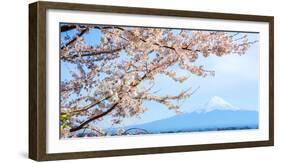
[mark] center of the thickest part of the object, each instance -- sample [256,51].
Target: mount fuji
[216,103]
[216,114]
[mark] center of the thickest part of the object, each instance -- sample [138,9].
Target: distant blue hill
[217,119]
[215,115]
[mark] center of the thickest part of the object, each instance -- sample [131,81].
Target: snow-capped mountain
[215,115]
[204,121]
[215,103]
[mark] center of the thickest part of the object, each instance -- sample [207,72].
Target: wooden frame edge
[33,45]
[37,80]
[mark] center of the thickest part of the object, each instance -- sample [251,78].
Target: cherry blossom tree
[108,78]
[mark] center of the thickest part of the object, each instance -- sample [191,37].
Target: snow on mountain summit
[216,103]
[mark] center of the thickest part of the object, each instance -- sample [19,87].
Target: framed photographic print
[112,81]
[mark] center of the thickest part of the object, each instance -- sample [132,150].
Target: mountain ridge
[203,121]
[216,114]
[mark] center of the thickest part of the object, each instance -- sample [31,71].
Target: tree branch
[93,118]
[102,114]
[83,31]
[65,28]
[90,106]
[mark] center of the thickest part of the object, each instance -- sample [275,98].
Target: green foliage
[63,120]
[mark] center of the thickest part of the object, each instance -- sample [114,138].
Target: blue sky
[236,80]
